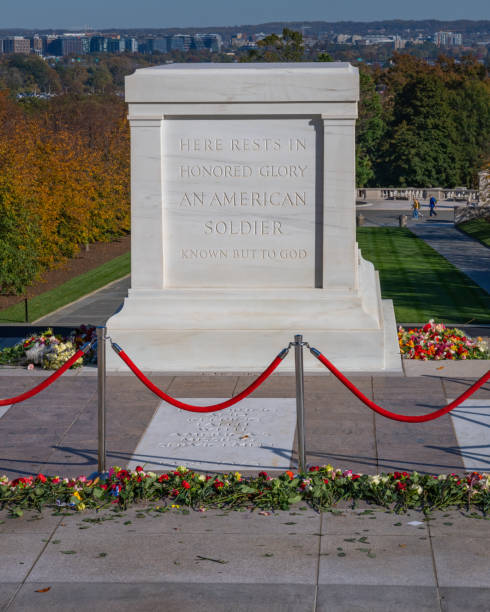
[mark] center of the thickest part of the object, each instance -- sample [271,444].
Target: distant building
[180,42]
[68,45]
[116,45]
[37,45]
[98,44]
[16,44]
[448,39]
[131,45]
[214,42]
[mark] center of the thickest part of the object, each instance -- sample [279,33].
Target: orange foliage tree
[64,181]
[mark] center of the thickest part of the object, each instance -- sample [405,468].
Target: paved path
[93,309]
[467,254]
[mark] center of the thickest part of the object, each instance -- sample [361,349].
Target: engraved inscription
[240,203]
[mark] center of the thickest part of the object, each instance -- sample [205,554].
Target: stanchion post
[101,388]
[300,400]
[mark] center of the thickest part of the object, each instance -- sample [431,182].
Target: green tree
[370,128]
[273,48]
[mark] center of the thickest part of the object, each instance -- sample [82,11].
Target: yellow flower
[77,495]
[81,507]
[238,476]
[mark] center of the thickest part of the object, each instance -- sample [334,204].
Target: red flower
[103,486]
[55,480]
[163,477]
[185,484]
[123,475]
[314,468]
[263,475]
[174,492]
[401,486]
[326,481]
[41,478]
[218,484]
[355,476]
[139,468]
[290,474]
[397,475]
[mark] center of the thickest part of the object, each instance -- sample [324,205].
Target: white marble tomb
[243,221]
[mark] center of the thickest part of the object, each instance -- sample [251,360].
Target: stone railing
[457,194]
[465,213]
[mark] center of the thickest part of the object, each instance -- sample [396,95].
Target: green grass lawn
[422,284]
[70,291]
[478,229]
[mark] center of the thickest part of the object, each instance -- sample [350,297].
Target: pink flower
[30,366]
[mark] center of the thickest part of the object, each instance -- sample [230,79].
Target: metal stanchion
[101,375]
[300,403]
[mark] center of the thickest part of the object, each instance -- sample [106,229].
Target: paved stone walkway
[467,254]
[93,309]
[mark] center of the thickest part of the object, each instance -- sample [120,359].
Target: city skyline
[120,14]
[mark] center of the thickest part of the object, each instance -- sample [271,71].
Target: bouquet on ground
[50,351]
[436,341]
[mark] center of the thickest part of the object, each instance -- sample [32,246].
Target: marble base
[214,330]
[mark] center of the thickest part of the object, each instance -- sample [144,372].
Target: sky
[98,14]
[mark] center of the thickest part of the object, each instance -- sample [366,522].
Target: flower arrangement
[436,341]
[321,488]
[50,351]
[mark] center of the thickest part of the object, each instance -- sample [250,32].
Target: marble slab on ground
[256,434]
[471,422]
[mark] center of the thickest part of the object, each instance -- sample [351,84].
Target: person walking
[432,206]
[416,208]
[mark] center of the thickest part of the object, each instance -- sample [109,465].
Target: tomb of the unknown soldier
[243,221]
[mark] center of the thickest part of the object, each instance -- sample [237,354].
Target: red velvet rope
[393,415]
[191,408]
[45,383]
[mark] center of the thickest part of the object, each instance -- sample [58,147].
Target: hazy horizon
[125,14]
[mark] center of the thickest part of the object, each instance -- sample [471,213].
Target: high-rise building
[37,45]
[214,42]
[448,39]
[98,44]
[116,45]
[179,42]
[131,45]
[68,45]
[16,44]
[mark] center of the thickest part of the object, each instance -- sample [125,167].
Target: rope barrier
[392,415]
[49,380]
[191,408]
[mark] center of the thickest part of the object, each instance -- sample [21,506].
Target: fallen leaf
[440,368]
[210,559]
[243,437]
[43,590]
[68,552]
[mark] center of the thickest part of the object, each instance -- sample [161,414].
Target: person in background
[416,208]
[432,206]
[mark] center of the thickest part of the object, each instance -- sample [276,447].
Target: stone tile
[462,561]
[199,386]
[7,591]
[19,551]
[155,557]
[457,523]
[373,521]
[455,386]
[470,599]
[398,560]
[275,386]
[173,596]
[226,522]
[379,598]
[30,523]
